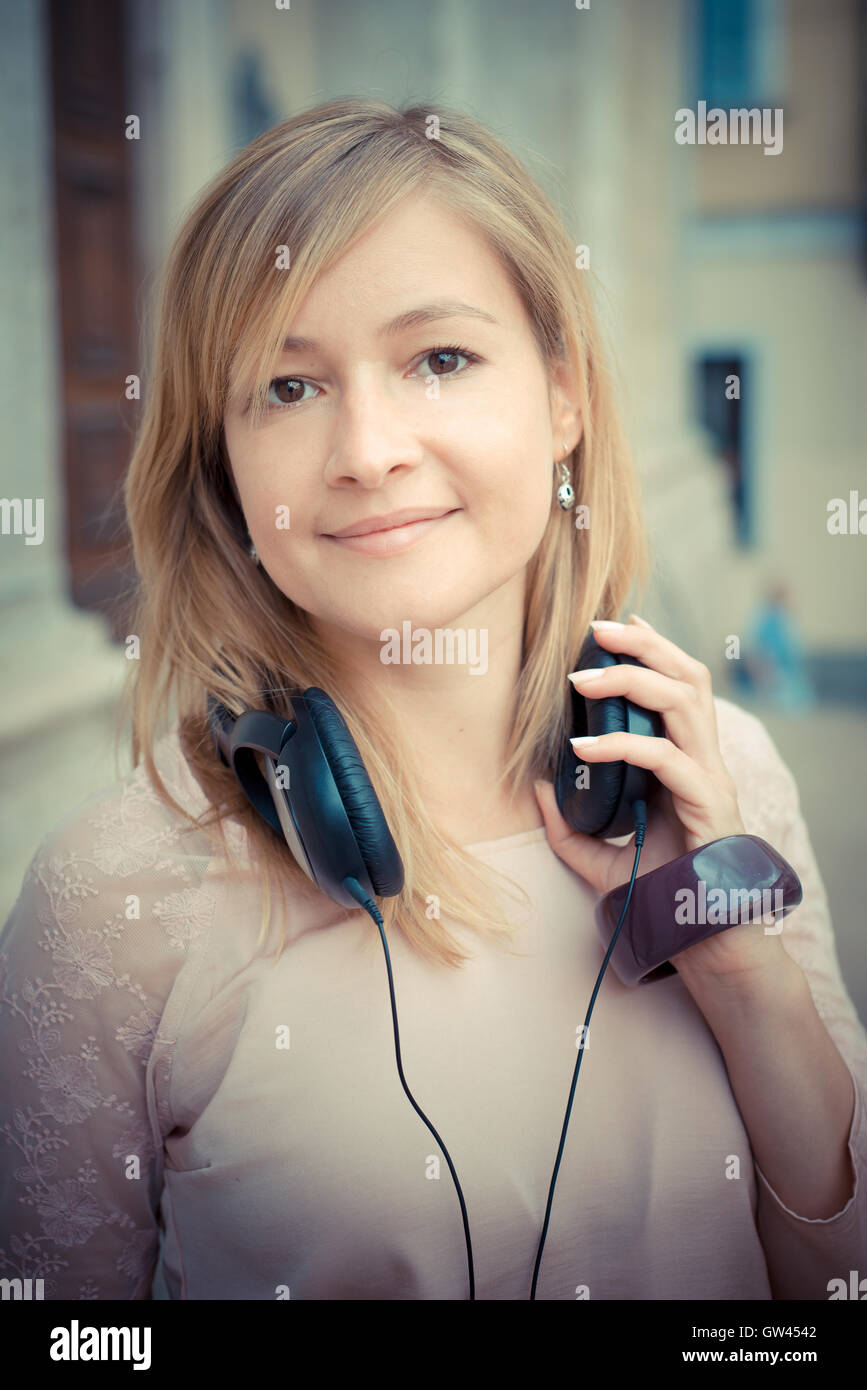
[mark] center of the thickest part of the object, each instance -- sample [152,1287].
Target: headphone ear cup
[591,809]
[360,802]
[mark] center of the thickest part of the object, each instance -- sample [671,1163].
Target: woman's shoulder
[123,826]
[767,789]
[97,960]
[739,727]
[126,856]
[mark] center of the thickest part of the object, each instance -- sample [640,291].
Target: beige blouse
[149,1109]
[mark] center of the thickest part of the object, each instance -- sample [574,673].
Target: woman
[199,1041]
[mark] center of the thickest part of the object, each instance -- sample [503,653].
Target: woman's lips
[393,541]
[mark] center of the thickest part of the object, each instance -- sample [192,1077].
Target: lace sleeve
[804,1254]
[88,958]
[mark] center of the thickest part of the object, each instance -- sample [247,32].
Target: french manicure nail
[591,674]
[605,622]
[583,741]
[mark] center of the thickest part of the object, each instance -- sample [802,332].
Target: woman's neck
[457,715]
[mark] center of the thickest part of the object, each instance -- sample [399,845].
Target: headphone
[316,791]
[317,795]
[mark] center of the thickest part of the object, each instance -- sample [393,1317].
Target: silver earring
[565,492]
[254,554]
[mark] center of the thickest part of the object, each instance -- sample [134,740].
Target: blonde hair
[208,618]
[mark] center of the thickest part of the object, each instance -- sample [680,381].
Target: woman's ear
[567,425]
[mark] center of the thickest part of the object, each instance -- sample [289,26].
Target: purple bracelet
[739,878]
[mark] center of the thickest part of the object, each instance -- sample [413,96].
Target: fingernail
[605,622]
[641,623]
[583,741]
[591,674]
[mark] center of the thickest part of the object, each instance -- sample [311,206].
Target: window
[722,381]
[740,59]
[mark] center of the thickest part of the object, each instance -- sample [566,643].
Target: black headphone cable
[354,888]
[640,813]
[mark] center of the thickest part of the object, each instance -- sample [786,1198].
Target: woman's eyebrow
[410,318]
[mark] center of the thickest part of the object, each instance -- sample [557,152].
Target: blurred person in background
[774,666]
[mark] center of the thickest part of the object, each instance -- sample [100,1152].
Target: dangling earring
[253,553]
[565,492]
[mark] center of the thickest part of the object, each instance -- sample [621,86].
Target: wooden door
[97,279]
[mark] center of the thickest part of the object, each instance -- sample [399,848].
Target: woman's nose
[372,438]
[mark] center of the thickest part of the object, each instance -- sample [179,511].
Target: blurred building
[774,275]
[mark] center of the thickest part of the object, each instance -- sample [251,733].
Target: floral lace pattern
[72,1186]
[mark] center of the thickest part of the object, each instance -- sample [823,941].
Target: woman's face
[384,423]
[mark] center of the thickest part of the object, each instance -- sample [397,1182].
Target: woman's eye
[439,357]
[287,388]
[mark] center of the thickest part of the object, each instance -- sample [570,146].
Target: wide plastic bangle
[739,878]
